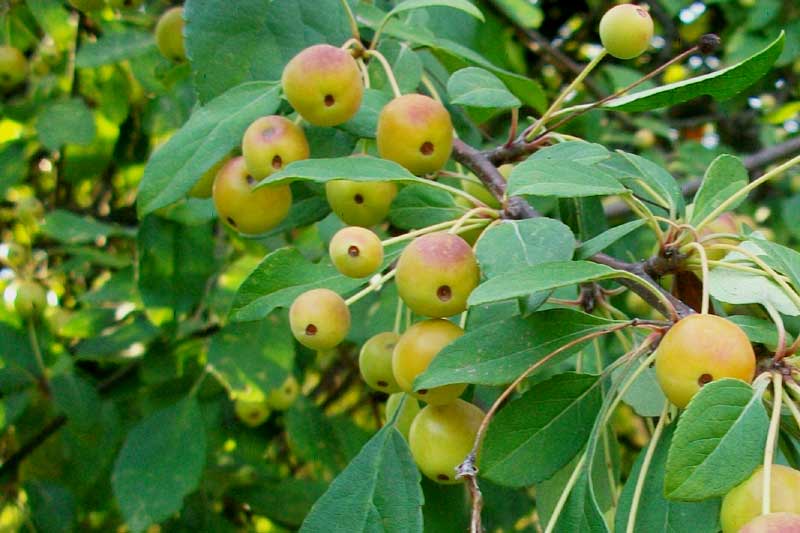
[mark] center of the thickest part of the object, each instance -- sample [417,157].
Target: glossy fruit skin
[360,203]
[356,252]
[284,396]
[773,523]
[406,417]
[442,436]
[699,349]
[13,67]
[415,131]
[319,319]
[30,298]
[205,185]
[743,503]
[270,143]
[86,5]
[252,408]
[250,211]
[415,350]
[626,31]
[436,274]
[725,223]
[375,362]
[323,84]
[169,35]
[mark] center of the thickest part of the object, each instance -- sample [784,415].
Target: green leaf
[65,226]
[365,122]
[522,12]
[533,437]
[786,260]
[721,85]
[419,206]
[114,47]
[725,176]
[361,168]
[644,394]
[66,121]
[280,278]
[498,352]
[52,507]
[655,512]
[582,152]
[661,187]
[228,47]
[563,178]
[134,331]
[475,87]
[607,238]
[287,501]
[161,461]
[718,443]
[737,287]
[759,330]
[378,491]
[541,277]
[312,435]
[13,165]
[257,354]
[208,136]
[461,5]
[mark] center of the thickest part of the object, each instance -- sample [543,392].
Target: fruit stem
[37,351]
[364,72]
[744,191]
[773,313]
[471,213]
[787,399]
[556,105]
[641,210]
[772,435]
[352,19]
[431,88]
[372,285]
[387,68]
[562,500]
[704,269]
[200,380]
[423,231]
[398,316]
[648,457]
[512,130]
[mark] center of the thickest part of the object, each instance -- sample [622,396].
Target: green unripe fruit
[743,503]
[416,349]
[319,319]
[356,252]
[773,523]
[169,35]
[442,436]
[360,203]
[480,192]
[205,185]
[699,349]
[284,396]
[626,31]
[30,298]
[436,274]
[406,417]
[270,143]
[323,84]
[86,5]
[415,131]
[126,4]
[252,408]
[13,255]
[375,362]
[13,67]
[245,209]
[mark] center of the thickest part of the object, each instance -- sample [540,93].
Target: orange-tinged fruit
[415,131]
[699,349]
[360,203]
[743,503]
[626,31]
[436,274]
[270,143]
[356,252]
[247,209]
[773,523]
[319,319]
[375,362]
[415,350]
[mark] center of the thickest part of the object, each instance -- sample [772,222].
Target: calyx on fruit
[360,203]
[270,143]
[319,319]
[356,252]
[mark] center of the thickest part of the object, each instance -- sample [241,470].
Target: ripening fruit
[169,35]
[699,349]
[356,252]
[406,416]
[86,5]
[442,436]
[743,503]
[773,523]
[626,31]
[415,131]
[13,67]
[319,319]
[436,274]
[360,203]
[644,139]
[247,210]
[30,298]
[272,142]
[415,350]
[725,223]
[13,254]
[205,185]
[323,84]
[284,396]
[375,362]
[252,408]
